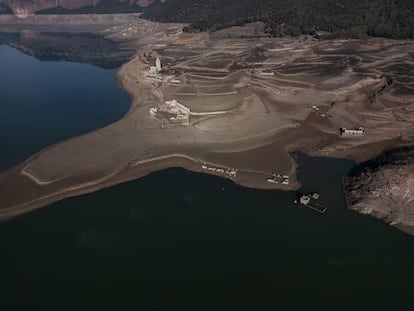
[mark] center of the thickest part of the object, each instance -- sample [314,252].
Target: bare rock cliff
[384,188]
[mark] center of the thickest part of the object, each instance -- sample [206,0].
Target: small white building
[354,132]
[267,73]
[175,81]
[315,196]
[305,199]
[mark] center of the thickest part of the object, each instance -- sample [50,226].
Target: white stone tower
[158,64]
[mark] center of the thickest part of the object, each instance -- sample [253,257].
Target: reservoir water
[177,239]
[45,102]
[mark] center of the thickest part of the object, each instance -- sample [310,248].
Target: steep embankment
[384,188]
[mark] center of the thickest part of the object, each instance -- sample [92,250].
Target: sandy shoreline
[268,115]
[132,172]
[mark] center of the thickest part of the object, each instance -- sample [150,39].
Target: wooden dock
[317,207]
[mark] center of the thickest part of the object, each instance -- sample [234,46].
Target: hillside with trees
[344,18]
[333,18]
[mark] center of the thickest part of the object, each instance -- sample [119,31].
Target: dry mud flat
[252,102]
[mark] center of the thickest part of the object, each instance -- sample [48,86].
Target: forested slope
[345,18]
[338,18]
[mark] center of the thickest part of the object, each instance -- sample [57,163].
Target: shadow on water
[182,238]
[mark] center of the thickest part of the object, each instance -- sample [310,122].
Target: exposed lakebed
[176,237]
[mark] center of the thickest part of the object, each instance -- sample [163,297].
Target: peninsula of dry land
[244,105]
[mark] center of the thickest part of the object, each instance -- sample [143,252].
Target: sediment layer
[279,95]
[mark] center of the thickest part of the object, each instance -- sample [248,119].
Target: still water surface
[176,237]
[45,102]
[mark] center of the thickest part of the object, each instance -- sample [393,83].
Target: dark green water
[180,240]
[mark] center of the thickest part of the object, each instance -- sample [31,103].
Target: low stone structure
[352,132]
[172,111]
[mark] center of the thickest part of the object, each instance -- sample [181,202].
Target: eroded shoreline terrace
[235,108]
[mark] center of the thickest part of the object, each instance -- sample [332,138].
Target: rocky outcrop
[384,188]
[24,8]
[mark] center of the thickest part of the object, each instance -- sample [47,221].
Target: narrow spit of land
[279,95]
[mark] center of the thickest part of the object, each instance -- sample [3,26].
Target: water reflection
[75,47]
[45,102]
